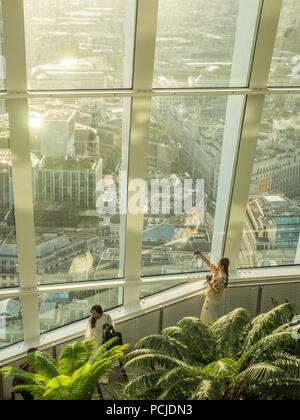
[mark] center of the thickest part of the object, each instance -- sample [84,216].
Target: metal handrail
[167,305]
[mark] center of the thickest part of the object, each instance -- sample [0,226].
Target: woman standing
[95,331]
[217,282]
[96,323]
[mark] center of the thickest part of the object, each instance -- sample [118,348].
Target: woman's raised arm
[210,265]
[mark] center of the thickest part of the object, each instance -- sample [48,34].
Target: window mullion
[16,77]
[147,12]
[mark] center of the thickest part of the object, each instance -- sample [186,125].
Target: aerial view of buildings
[77,143]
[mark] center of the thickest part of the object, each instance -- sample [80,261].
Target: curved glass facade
[133,133]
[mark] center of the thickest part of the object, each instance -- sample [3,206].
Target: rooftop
[163,232]
[267,209]
[69,164]
[59,115]
[6,158]
[9,307]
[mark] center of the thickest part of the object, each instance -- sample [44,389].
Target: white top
[96,333]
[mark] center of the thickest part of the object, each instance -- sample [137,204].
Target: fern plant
[73,377]
[235,358]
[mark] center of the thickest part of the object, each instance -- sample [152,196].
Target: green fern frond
[37,391]
[201,342]
[59,388]
[284,328]
[27,377]
[58,394]
[101,350]
[290,365]
[140,352]
[282,389]
[290,327]
[222,369]
[173,332]
[283,355]
[153,360]
[164,344]
[43,364]
[208,390]
[142,383]
[228,332]
[59,381]
[264,348]
[267,323]
[90,346]
[181,390]
[114,355]
[260,372]
[84,384]
[73,356]
[172,376]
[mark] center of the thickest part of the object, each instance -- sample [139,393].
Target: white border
[17,96]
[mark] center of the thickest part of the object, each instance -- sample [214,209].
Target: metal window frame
[147,12]
[17,97]
[16,80]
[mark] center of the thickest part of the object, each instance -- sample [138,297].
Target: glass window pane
[63,308]
[285,68]
[11,327]
[152,289]
[186,144]
[80,149]
[204,43]
[79,44]
[8,246]
[271,234]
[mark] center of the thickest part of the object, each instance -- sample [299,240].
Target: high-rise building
[273,224]
[57,134]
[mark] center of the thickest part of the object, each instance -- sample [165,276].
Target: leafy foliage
[234,359]
[73,377]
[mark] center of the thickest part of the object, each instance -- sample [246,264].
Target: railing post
[54,351]
[1,387]
[161,320]
[259,299]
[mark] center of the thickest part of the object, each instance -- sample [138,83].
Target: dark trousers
[27,396]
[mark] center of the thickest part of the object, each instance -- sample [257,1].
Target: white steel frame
[17,97]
